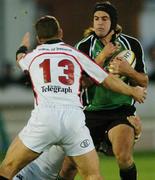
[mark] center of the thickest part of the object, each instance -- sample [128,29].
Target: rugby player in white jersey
[55,69]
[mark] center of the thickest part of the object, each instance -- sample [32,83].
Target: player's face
[101,23]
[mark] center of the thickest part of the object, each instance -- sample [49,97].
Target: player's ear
[38,40]
[60,33]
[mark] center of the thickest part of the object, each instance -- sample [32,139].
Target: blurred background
[18,16]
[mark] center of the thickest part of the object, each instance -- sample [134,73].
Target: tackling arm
[115,84]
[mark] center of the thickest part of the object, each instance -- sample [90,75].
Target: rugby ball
[127,55]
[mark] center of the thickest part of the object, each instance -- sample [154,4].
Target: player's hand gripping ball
[126,55]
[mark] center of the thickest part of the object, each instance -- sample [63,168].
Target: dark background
[75,16]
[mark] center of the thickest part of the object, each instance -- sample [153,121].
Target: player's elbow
[107,81]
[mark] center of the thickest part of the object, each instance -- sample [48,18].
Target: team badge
[85,143]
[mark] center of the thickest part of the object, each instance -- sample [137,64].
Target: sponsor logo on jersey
[63,49]
[55,49]
[85,143]
[56,89]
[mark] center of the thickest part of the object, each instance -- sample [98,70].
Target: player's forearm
[100,59]
[25,44]
[115,84]
[141,79]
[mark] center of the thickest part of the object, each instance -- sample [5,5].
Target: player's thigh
[18,155]
[77,140]
[87,164]
[121,138]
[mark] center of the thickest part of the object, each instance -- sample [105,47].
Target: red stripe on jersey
[73,58]
[57,53]
[34,92]
[84,55]
[88,58]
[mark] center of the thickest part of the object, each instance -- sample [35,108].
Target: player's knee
[8,167]
[124,159]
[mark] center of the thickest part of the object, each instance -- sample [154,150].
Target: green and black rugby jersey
[98,97]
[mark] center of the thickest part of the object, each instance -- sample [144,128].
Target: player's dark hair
[47,27]
[109,9]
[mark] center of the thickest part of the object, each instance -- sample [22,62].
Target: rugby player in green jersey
[107,113]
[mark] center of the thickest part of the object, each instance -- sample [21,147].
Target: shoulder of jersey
[129,56]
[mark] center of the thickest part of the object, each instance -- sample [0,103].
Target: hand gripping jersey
[55,69]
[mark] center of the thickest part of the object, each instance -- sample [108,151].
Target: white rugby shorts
[62,125]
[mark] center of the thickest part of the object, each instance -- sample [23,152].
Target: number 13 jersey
[56,70]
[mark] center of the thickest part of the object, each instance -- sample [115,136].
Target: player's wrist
[21,49]
[131,91]
[135,94]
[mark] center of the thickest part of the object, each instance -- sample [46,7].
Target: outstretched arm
[25,44]
[115,84]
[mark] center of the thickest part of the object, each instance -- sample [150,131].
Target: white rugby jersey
[55,69]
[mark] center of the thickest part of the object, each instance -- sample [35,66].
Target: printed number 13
[67,80]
